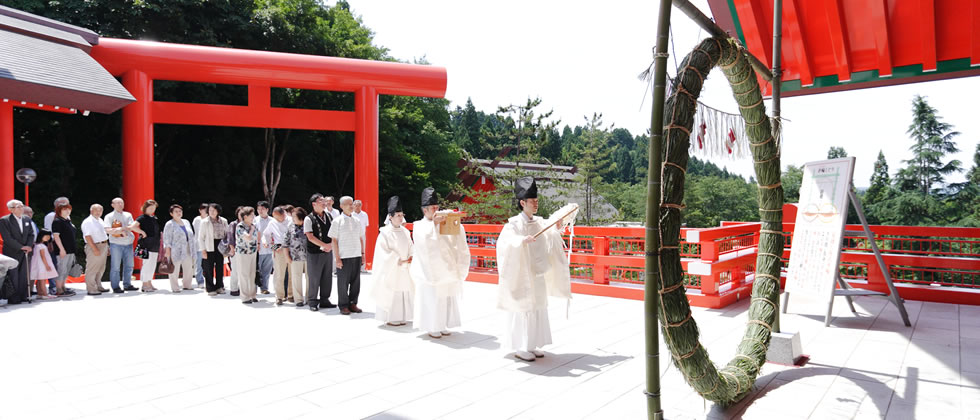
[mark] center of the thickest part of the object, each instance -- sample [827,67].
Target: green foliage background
[80,156]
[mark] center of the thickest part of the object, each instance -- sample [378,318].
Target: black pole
[651,290]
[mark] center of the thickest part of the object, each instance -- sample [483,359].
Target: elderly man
[96,250]
[334,213]
[120,226]
[49,218]
[348,251]
[29,215]
[18,239]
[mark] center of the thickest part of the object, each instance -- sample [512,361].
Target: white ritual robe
[528,273]
[439,266]
[393,290]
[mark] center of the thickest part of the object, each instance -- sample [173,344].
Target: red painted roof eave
[191,63]
[835,46]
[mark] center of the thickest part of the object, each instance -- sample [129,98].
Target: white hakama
[527,330]
[437,313]
[528,274]
[401,310]
[440,264]
[394,292]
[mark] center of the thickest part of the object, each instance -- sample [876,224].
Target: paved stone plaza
[188,356]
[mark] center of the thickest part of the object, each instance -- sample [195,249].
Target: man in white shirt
[120,224]
[202,211]
[348,251]
[361,216]
[334,213]
[29,214]
[96,250]
[264,265]
[49,218]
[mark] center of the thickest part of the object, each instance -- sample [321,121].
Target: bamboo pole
[651,288]
[777,88]
[716,31]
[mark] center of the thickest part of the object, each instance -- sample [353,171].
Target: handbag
[141,252]
[75,270]
[224,246]
[166,266]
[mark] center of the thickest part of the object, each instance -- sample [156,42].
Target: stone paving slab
[190,356]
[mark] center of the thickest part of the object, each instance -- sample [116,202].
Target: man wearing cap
[439,265]
[531,267]
[393,289]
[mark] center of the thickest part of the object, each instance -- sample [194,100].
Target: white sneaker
[525,356]
[537,353]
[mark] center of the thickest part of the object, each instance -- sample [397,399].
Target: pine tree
[969,196]
[836,152]
[880,182]
[933,140]
[594,161]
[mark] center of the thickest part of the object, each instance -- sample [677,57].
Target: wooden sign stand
[849,291]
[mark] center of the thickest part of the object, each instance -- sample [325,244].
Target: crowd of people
[418,274]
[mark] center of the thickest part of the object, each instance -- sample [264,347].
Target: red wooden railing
[940,264]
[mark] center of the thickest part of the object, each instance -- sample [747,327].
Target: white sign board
[820,220]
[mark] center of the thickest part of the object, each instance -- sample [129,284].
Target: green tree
[466,122]
[594,161]
[526,130]
[836,152]
[709,200]
[970,194]
[640,157]
[414,135]
[908,209]
[628,199]
[932,141]
[880,181]
[623,155]
[792,179]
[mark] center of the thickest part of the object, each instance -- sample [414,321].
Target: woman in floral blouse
[296,242]
[246,245]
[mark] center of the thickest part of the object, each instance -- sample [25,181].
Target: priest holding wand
[532,265]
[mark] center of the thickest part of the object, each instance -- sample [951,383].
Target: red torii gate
[139,63]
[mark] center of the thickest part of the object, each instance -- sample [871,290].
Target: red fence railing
[940,264]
